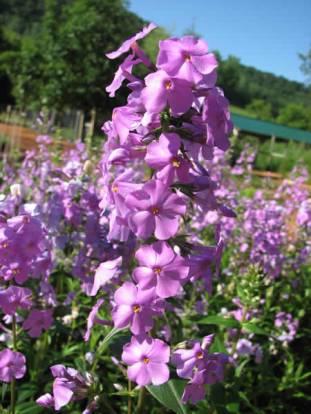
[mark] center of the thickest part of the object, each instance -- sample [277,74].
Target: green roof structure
[269,129]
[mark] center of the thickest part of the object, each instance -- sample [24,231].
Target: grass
[241,111]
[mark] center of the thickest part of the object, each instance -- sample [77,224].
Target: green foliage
[169,394]
[64,64]
[228,77]
[284,157]
[260,109]
[266,93]
[295,115]
[306,64]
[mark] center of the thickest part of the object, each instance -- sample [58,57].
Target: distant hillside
[242,84]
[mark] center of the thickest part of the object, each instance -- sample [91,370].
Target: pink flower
[14,298]
[68,385]
[37,321]
[162,90]
[105,272]
[123,72]
[136,308]
[163,155]
[92,319]
[12,365]
[154,209]
[186,58]
[130,43]
[160,267]
[188,359]
[147,359]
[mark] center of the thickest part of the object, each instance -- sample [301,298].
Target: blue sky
[266,34]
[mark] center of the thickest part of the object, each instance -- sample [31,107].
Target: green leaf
[105,342]
[169,394]
[233,407]
[240,368]
[218,344]
[28,408]
[4,390]
[219,320]
[253,328]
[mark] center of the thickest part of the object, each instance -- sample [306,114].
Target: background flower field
[149,269]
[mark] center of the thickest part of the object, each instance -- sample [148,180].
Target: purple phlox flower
[14,298]
[123,72]
[217,117]
[162,90]
[136,308]
[163,155]
[247,348]
[131,42]
[68,385]
[130,151]
[37,321]
[155,209]
[288,326]
[92,318]
[124,120]
[244,347]
[186,58]
[19,271]
[70,297]
[44,139]
[12,365]
[200,367]
[239,313]
[195,390]
[29,235]
[105,272]
[215,367]
[160,267]
[7,239]
[147,359]
[46,400]
[201,262]
[186,360]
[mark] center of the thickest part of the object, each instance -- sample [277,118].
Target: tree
[64,65]
[306,64]
[295,115]
[261,109]
[229,76]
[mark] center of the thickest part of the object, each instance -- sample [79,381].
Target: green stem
[13,382]
[140,401]
[129,401]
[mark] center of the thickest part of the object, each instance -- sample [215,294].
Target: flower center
[146,360]
[200,355]
[115,188]
[4,245]
[176,162]
[155,210]
[157,270]
[168,85]
[15,271]
[187,57]
[136,308]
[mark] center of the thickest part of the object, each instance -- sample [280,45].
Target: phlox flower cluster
[24,257]
[153,180]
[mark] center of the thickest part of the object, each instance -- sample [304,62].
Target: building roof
[268,129]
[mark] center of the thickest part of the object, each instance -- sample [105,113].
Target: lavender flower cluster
[132,229]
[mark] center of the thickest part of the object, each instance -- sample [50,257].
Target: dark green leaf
[169,394]
[253,328]
[219,320]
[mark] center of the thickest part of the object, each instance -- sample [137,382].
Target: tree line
[52,54]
